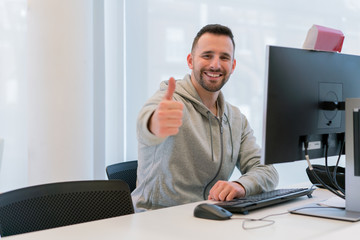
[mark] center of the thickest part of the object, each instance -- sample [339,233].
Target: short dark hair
[216,29]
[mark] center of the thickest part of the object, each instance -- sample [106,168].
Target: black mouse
[211,211]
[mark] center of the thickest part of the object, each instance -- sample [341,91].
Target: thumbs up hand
[167,118]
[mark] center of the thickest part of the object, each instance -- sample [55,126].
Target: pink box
[324,39]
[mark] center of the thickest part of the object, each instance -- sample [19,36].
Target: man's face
[212,61]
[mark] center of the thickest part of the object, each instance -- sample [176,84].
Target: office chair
[60,204]
[125,171]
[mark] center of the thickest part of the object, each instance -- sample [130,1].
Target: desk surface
[178,223]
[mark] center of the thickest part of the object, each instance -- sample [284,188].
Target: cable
[332,178]
[337,165]
[306,145]
[263,219]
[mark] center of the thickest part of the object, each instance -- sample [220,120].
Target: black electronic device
[304,101]
[310,99]
[211,211]
[265,199]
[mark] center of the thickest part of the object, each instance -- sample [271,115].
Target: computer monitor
[305,99]
[300,85]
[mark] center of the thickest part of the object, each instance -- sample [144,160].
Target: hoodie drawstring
[212,154]
[212,150]
[211,139]
[231,138]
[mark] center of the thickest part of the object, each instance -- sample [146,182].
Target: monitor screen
[304,100]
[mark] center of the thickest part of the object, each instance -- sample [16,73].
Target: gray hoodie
[182,168]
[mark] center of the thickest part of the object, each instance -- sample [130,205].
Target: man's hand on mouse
[226,191]
[167,118]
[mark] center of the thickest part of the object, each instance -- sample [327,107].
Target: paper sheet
[333,202]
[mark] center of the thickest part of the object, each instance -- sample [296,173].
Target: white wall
[60,91]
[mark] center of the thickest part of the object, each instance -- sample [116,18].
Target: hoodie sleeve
[255,177]
[143,133]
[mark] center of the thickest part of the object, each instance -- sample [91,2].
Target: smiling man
[191,139]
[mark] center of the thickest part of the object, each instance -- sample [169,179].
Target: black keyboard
[243,205]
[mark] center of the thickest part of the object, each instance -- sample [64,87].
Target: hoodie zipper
[219,120]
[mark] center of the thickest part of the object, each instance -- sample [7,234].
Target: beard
[208,85]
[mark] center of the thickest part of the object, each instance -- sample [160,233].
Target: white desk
[178,223]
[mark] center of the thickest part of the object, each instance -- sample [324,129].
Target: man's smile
[213,74]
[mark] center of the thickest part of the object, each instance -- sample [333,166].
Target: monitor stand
[317,210]
[351,212]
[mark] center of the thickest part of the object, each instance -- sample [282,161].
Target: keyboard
[244,205]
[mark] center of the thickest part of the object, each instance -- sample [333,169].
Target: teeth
[213,75]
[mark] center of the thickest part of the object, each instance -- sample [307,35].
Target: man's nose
[215,63]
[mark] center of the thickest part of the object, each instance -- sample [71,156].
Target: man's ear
[190,61]
[233,66]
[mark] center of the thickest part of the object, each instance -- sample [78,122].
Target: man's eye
[225,58]
[206,56]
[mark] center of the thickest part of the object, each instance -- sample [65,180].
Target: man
[190,139]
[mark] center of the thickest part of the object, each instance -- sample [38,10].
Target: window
[146,42]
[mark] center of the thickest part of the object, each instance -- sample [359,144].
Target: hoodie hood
[187,90]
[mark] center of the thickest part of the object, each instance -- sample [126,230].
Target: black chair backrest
[60,204]
[125,171]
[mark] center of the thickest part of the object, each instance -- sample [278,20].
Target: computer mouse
[211,211]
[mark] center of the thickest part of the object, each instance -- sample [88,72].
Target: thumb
[171,89]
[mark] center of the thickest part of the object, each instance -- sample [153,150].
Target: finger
[171,89]
[224,193]
[166,105]
[170,131]
[170,114]
[214,192]
[171,123]
[231,196]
